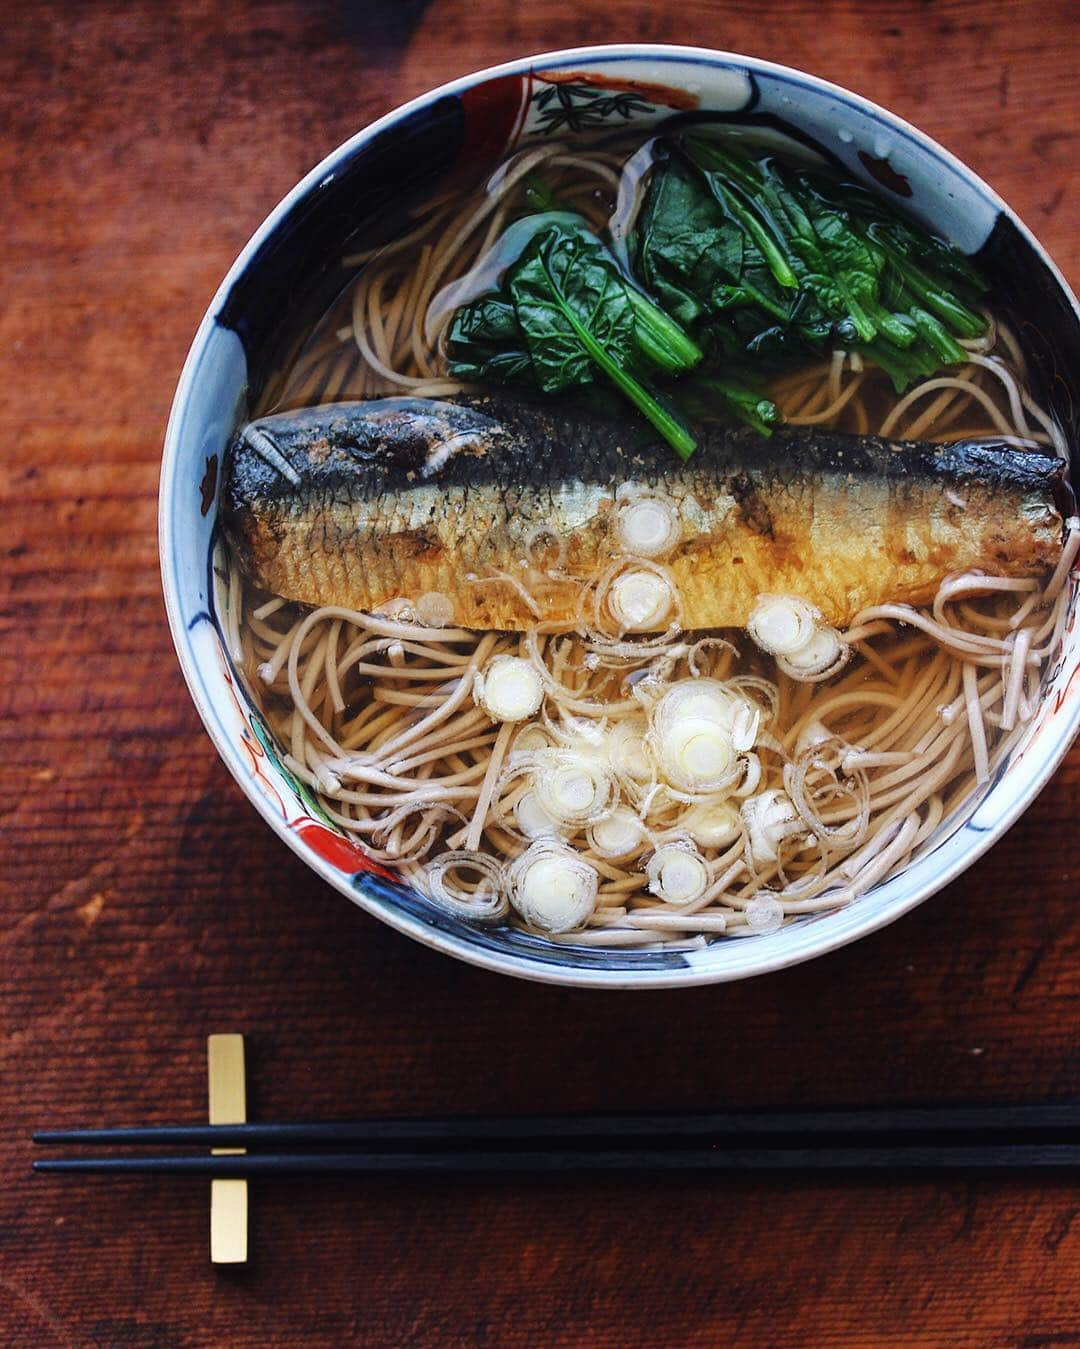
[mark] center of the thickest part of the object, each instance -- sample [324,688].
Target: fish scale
[358,504]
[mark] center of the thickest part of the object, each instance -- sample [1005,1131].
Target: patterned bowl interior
[293,264]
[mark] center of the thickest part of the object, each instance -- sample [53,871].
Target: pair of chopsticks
[985,1138]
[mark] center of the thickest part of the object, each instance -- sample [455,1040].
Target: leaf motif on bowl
[574,107]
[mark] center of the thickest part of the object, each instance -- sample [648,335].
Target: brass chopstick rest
[228,1105]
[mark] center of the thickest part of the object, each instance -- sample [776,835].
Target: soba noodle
[379,714]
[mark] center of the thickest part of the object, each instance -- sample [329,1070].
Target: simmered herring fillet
[357,504]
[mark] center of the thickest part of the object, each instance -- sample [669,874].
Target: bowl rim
[761,957]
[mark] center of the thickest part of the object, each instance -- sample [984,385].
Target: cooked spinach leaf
[712,394]
[564,312]
[489,343]
[689,256]
[740,263]
[766,261]
[576,314]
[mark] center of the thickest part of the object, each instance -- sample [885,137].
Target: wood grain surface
[145,905]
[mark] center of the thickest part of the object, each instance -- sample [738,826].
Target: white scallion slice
[648,526]
[713,701]
[751,778]
[782,624]
[532,819]
[713,824]
[509,689]
[469,884]
[745,724]
[769,818]
[552,887]
[814,733]
[677,873]
[531,737]
[617,835]
[575,789]
[822,656]
[696,698]
[764,913]
[627,750]
[640,601]
[697,730]
[697,754]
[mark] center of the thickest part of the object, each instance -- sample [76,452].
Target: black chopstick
[1015,1124]
[973,1157]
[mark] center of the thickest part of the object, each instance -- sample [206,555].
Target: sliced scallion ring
[553,888]
[509,689]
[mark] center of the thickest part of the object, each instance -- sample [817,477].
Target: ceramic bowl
[292,262]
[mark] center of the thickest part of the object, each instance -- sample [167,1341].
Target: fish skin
[356,504]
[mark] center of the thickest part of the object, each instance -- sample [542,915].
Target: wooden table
[145,905]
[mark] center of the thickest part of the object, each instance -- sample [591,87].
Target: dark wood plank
[145,905]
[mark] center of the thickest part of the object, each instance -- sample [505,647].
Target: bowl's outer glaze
[292,260]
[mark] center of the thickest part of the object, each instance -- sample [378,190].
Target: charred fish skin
[357,504]
[395,445]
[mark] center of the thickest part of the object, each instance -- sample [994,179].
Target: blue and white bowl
[292,264]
